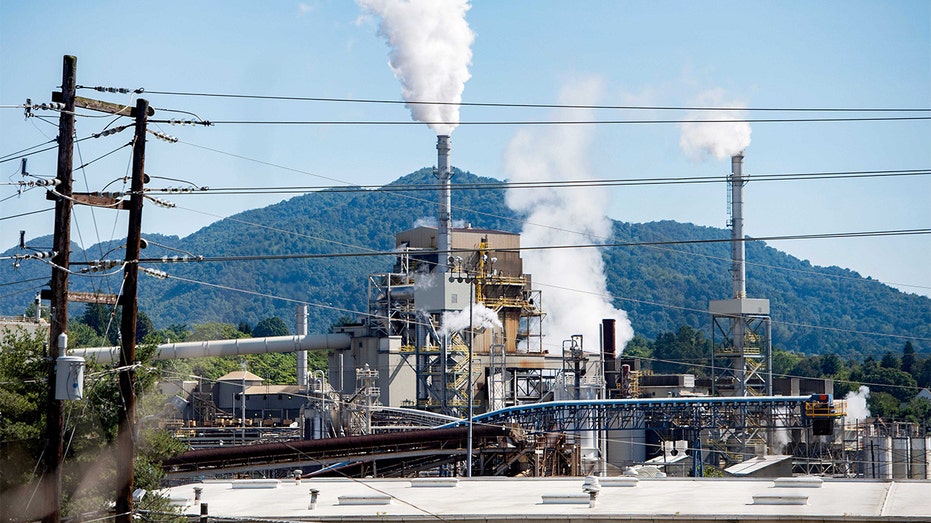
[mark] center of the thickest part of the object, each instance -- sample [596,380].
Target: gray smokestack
[738,268]
[444,218]
[301,316]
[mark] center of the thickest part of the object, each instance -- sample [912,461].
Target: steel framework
[712,420]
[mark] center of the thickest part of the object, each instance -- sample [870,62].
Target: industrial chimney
[444,219]
[741,335]
[737,226]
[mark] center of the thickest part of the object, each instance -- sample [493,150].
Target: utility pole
[54,451]
[127,424]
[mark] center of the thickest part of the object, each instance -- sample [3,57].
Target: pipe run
[234,347]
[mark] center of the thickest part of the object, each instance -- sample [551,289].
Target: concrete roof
[522,499]
[237,375]
[272,389]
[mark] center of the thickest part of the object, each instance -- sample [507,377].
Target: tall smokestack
[737,226]
[443,173]
[609,351]
[301,316]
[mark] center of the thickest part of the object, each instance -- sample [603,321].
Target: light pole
[470,399]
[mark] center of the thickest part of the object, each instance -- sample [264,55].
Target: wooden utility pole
[127,422]
[54,451]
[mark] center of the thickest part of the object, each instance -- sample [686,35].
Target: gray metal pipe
[235,347]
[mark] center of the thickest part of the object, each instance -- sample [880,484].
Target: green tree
[924,373]
[23,394]
[908,358]
[273,326]
[90,426]
[918,411]
[103,318]
[686,350]
[889,361]
[897,383]
[831,364]
[784,361]
[638,347]
[215,331]
[883,405]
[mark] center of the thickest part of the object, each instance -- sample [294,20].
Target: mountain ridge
[660,287]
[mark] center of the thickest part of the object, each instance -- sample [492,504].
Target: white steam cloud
[482,318]
[575,297]
[701,138]
[431,50]
[856,405]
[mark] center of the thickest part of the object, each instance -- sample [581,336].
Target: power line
[352,188]
[564,122]
[610,182]
[530,105]
[369,253]
[25,214]
[20,154]
[339,309]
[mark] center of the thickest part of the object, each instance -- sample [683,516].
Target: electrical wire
[10,217]
[18,155]
[531,105]
[508,185]
[561,122]
[351,188]
[262,257]
[4,157]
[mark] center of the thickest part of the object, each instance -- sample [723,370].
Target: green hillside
[662,288]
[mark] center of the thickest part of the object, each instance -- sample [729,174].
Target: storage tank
[878,457]
[900,457]
[920,458]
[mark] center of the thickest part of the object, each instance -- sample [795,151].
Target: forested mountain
[662,288]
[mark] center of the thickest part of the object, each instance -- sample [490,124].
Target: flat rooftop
[562,499]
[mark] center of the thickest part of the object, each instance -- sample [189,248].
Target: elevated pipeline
[330,448]
[234,347]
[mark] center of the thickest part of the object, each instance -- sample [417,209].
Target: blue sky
[787,54]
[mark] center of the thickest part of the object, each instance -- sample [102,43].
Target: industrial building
[467,500]
[453,337]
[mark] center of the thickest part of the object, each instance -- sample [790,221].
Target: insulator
[108,194]
[108,132]
[161,203]
[154,272]
[51,106]
[121,90]
[43,255]
[46,183]
[163,136]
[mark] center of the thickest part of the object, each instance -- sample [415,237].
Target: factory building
[438,339]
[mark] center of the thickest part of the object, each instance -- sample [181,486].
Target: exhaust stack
[738,268]
[444,218]
[302,354]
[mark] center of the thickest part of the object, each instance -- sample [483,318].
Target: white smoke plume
[482,318]
[856,405]
[701,138]
[575,296]
[431,50]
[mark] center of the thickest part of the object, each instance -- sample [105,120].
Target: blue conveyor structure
[743,418]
